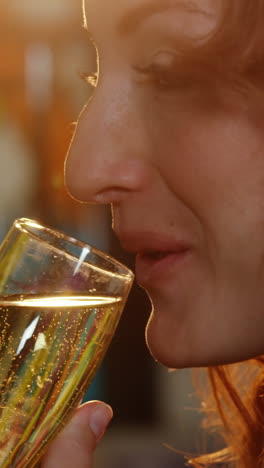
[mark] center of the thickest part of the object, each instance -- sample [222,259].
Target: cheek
[215,165]
[213,312]
[211,321]
[215,315]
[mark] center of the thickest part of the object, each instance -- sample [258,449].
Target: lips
[153,268]
[153,255]
[158,257]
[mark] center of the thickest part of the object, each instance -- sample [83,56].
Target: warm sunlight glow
[29,223]
[84,15]
[63,301]
[41,12]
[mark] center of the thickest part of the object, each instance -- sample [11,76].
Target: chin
[163,356]
[164,349]
[173,357]
[175,353]
[172,347]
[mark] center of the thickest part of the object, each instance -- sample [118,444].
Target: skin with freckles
[182,166]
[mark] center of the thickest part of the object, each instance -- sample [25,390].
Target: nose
[107,158]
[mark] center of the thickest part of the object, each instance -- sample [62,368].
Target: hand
[75,445]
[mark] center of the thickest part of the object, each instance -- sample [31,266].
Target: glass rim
[24,224]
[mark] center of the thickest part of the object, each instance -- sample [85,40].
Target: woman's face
[184,172]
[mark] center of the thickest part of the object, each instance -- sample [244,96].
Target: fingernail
[100,419]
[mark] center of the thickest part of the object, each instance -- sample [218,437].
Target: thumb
[75,445]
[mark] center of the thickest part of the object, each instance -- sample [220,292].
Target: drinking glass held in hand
[60,302]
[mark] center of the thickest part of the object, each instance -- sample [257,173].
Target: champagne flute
[60,303]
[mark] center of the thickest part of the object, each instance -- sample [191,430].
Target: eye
[155,75]
[165,77]
[90,78]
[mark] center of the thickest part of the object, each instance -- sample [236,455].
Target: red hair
[233,53]
[234,402]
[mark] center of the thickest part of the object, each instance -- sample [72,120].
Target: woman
[173,138]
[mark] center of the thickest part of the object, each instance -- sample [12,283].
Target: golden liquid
[50,348]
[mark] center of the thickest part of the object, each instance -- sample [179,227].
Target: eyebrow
[133,18]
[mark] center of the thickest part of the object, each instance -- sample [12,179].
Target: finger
[75,445]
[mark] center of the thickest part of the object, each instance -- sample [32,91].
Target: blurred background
[43,52]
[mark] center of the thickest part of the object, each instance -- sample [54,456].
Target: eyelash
[162,78]
[90,78]
[165,79]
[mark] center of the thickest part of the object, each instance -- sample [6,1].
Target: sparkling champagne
[50,348]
